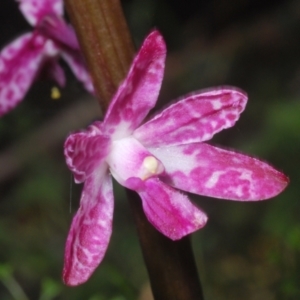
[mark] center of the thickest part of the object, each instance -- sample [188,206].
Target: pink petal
[85,151]
[20,62]
[90,230]
[56,72]
[139,91]
[55,28]
[169,211]
[75,61]
[195,118]
[203,169]
[35,10]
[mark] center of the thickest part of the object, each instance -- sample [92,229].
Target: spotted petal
[195,118]
[85,151]
[169,211]
[139,91]
[206,170]
[20,62]
[90,230]
[35,10]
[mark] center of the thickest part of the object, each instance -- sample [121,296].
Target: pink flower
[22,60]
[157,159]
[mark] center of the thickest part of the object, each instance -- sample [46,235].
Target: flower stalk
[171,265]
[108,49]
[105,42]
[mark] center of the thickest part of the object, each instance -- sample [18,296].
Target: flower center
[129,158]
[151,167]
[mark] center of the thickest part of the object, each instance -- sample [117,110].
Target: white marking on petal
[51,49]
[238,190]
[212,181]
[246,174]
[121,131]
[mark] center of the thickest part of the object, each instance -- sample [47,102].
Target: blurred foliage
[247,250]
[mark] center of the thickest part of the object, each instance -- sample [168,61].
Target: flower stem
[105,42]
[108,49]
[170,264]
[8,280]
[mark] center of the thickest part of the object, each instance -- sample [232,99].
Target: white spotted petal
[91,229]
[139,91]
[168,210]
[86,151]
[21,62]
[209,171]
[195,118]
[35,10]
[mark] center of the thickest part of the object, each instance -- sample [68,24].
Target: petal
[85,151]
[56,72]
[75,61]
[139,91]
[20,62]
[35,10]
[169,211]
[195,118]
[90,230]
[55,28]
[205,170]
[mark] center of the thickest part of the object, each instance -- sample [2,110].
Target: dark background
[247,250]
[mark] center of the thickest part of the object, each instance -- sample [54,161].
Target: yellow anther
[55,93]
[151,165]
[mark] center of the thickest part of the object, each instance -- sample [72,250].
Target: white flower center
[129,158]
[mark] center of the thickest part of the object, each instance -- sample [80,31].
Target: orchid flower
[157,158]
[23,59]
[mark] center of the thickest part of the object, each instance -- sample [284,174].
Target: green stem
[107,46]
[11,284]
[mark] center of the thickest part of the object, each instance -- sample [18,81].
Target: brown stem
[108,50]
[105,41]
[171,265]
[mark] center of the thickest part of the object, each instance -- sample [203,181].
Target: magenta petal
[35,10]
[85,151]
[139,91]
[56,72]
[195,118]
[90,230]
[169,211]
[205,170]
[20,63]
[55,28]
[78,67]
